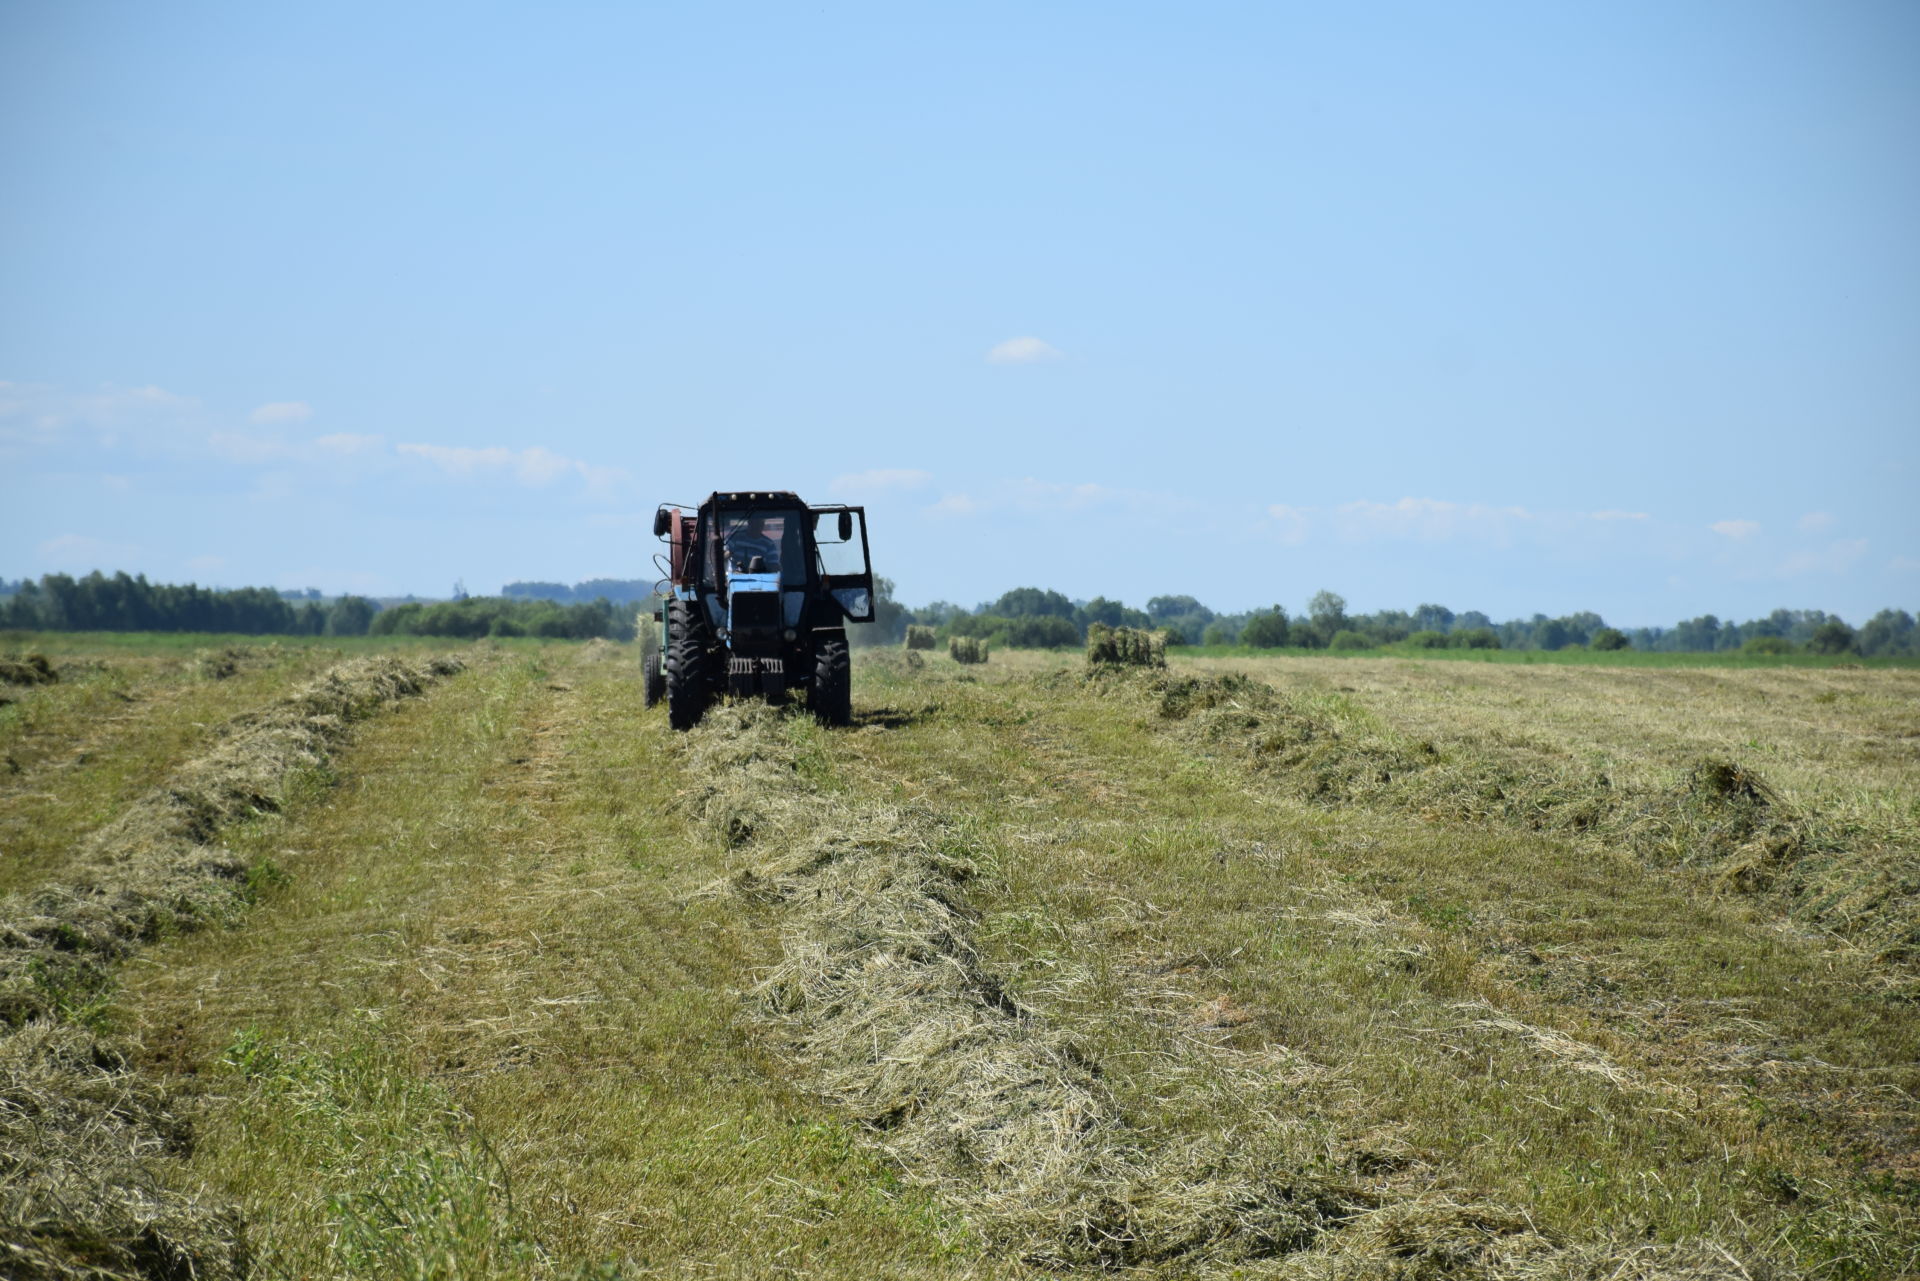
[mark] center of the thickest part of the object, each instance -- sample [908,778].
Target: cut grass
[1500,1009]
[72,754]
[498,882]
[1556,657]
[493,1016]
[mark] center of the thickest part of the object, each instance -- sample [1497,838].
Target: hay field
[1246,968]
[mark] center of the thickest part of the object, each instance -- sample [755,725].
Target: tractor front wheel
[832,696]
[689,680]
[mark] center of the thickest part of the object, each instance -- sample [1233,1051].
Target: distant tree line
[1033,617]
[1026,617]
[621,591]
[478,616]
[129,603]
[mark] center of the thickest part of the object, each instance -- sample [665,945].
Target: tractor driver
[749,539]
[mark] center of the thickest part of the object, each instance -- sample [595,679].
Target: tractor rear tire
[689,677]
[832,696]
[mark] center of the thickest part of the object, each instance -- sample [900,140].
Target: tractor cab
[762,587]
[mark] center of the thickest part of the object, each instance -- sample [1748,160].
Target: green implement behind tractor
[759,590]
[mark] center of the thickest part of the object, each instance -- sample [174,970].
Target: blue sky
[1510,307]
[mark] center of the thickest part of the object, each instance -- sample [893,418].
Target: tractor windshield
[764,542]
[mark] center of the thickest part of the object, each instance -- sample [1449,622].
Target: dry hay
[967,649]
[884,1001]
[1126,646]
[602,650]
[28,669]
[82,1137]
[218,664]
[883,998]
[1718,816]
[920,636]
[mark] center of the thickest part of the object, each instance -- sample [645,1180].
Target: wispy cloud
[282,411]
[1023,351]
[35,415]
[78,553]
[1835,558]
[242,447]
[1426,519]
[1735,528]
[1814,522]
[883,478]
[347,443]
[1611,514]
[1293,524]
[535,466]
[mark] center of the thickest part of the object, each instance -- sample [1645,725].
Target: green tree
[1328,614]
[1268,630]
[350,616]
[1831,637]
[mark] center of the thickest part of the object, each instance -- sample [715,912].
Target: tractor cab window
[762,542]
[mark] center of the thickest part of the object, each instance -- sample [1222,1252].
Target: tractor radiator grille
[749,666]
[756,609]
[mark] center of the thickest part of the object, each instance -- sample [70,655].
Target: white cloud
[1023,351]
[535,466]
[207,564]
[954,505]
[1813,522]
[1735,528]
[880,478]
[282,411]
[1904,564]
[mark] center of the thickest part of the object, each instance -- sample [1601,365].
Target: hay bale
[920,637]
[1125,646]
[28,669]
[967,649]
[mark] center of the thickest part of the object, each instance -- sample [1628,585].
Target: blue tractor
[759,590]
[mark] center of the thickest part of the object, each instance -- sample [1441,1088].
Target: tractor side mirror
[846,527]
[660,521]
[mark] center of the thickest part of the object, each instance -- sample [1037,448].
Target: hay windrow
[155,868]
[883,1000]
[82,1136]
[1717,817]
[29,669]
